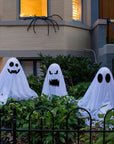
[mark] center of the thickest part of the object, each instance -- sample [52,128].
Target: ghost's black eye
[11,64]
[50,72]
[107,78]
[56,72]
[16,65]
[100,78]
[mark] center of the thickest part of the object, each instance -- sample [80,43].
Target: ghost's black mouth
[54,82]
[14,71]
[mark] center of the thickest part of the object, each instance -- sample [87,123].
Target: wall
[69,37]
[3,62]
[106,55]
[8,10]
[57,7]
[67,10]
[76,39]
[94,11]
[98,35]
[87,12]
[72,37]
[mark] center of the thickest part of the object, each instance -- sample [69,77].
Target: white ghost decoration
[13,83]
[99,93]
[54,83]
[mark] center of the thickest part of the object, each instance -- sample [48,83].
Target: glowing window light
[76,9]
[31,8]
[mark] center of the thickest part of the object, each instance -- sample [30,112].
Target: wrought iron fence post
[78,128]
[41,123]
[29,131]
[67,129]
[0,124]
[14,126]
[104,126]
[109,22]
[104,132]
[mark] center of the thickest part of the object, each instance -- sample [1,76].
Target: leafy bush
[36,83]
[74,69]
[97,137]
[59,106]
[78,90]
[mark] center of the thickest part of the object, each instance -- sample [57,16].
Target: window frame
[81,14]
[22,18]
[34,61]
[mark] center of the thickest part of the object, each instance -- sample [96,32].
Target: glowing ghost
[54,83]
[99,93]
[13,83]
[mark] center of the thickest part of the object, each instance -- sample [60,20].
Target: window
[31,8]
[77,10]
[31,66]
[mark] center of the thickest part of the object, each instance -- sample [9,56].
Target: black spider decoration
[49,20]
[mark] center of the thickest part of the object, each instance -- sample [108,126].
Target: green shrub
[97,137]
[74,69]
[36,83]
[78,90]
[59,106]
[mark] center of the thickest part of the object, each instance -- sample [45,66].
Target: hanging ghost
[54,83]
[13,83]
[100,93]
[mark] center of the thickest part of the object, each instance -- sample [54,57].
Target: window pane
[33,8]
[27,67]
[77,10]
[39,71]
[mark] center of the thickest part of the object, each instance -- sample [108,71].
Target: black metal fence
[52,131]
[109,23]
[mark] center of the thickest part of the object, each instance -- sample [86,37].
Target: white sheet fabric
[13,83]
[99,93]
[54,83]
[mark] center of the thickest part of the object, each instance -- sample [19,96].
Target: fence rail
[109,22]
[41,130]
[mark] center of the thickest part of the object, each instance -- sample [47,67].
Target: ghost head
[54,83]
[13,82]
[13,67]
[99,93]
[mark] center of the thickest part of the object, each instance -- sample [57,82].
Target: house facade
[73,27]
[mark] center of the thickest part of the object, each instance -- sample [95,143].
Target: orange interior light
[77,10]
[31,8]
